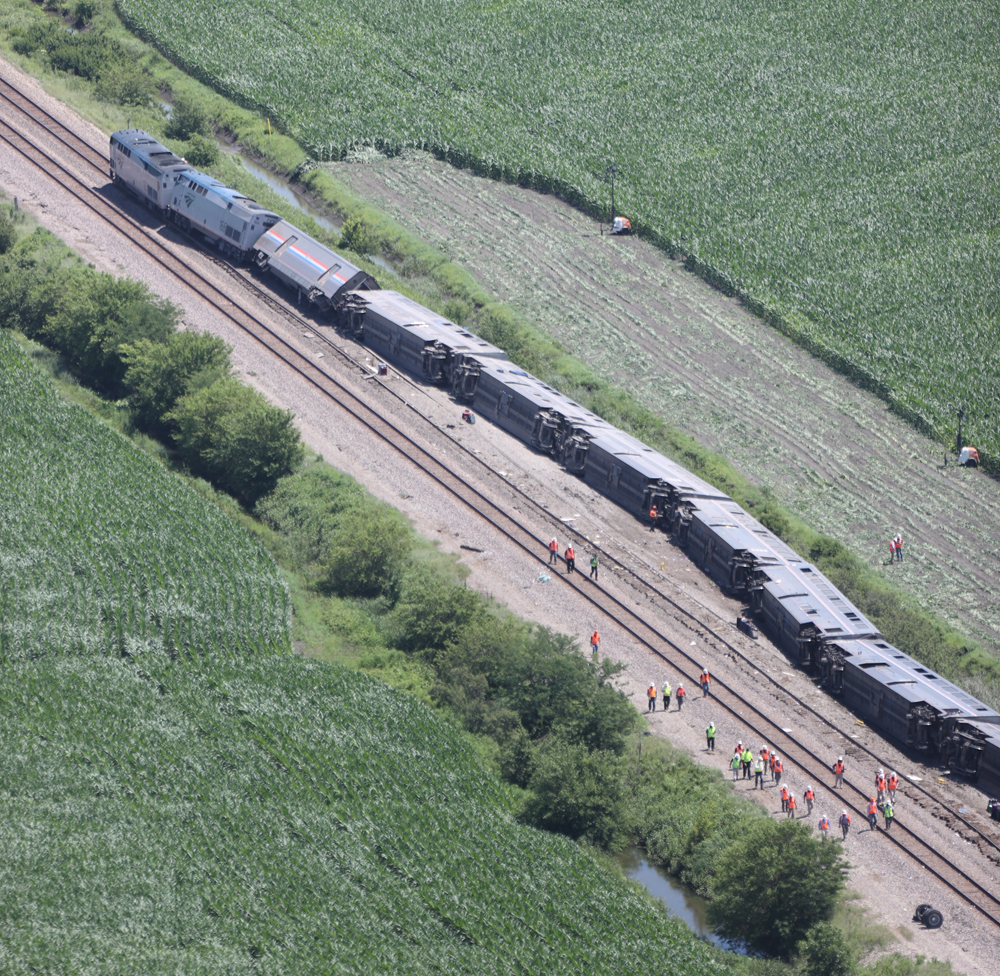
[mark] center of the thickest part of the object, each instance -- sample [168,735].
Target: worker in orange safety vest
[824,826]
[553,552]
[791,806]
[838,771]
[653,516]
[880,786]
[570,558]
[595,642]
[872,813]
[892,784]
[845,823]
[784,798]
[778,769]
[706,681]
[809,796]
[651,695]
[681,695]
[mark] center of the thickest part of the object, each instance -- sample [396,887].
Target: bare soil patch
[833,453]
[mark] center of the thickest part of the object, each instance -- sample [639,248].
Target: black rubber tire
[933,919]
[919,913]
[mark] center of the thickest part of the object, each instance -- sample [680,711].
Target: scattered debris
[470,548]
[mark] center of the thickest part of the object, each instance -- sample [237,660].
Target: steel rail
[460,488]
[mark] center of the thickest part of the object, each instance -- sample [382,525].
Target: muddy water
[682,902]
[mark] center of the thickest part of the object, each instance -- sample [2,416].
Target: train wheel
[919,913]
[933,919]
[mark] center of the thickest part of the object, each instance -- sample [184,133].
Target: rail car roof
[149,148]
[233,199]
[812,599]
[313,261]
[542,395]
[909,678]
[653,465]
[743,532]
[408,314]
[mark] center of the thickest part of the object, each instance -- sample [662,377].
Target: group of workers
[668,693]
[570,556]
[768,761]
[706,688]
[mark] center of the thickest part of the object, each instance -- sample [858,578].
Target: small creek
[679,898]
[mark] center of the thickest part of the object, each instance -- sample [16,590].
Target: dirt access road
[832,453]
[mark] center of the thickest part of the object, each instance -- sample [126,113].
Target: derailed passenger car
[415,338]
[801,609]
[307,266]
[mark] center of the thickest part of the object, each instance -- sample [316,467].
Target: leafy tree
[98,316]
[229,434]
[129,85]
[158,374]
[773,884]
[34,278]
[367,552]
[8,233]
[433,612]
[826,952]
[578,793]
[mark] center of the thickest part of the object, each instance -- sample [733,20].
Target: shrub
[86,10]
[367,552]
[158,374]
[578,793]
[201,151]
[130,85]
[826,953]
[188,118]
[359,236]
[433,612]
[229,434]
[306,509]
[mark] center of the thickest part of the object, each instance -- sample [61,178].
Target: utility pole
[610,171]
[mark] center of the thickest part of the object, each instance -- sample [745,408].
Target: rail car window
[874,664]
[892,684]
[333,269]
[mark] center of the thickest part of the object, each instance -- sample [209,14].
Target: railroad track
[797,753]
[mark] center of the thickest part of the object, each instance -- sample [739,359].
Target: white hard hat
[840,758]
[880,769]
[809,787]
[894,774]
[845,810]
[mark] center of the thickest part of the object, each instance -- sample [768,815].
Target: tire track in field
[832,453]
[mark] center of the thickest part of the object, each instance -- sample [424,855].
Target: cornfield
[281,816]
[834,164]
[104,552]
